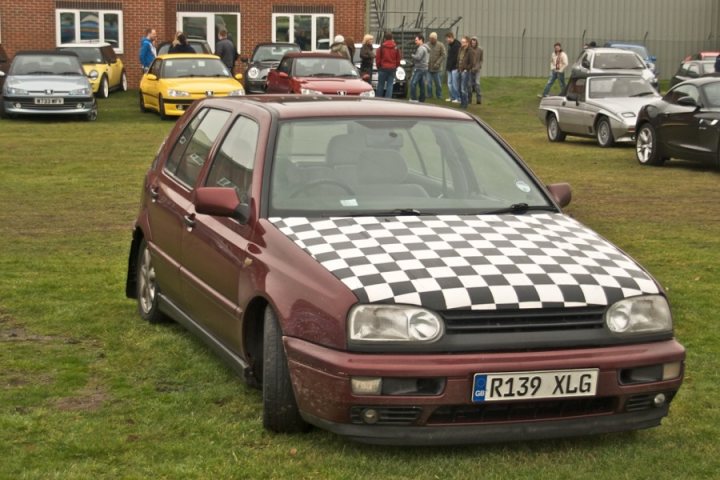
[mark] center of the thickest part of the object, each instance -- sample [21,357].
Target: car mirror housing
[151,76]
[561,193]
[221,202]
[687,101]
[238,76]
[283,75]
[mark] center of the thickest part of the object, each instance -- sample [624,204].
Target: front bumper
[255,86]
[27,106]
[321,381]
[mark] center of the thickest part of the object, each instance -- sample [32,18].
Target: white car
[613,60]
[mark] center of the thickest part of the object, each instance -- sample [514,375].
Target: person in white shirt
[558,64]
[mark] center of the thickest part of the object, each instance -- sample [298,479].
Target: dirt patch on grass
[90,399]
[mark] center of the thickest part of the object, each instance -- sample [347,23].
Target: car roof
[85,45]
[283,44]
[612,50]
[170,56]
[313,55]
[700,81]
[47,52]
[324,106]
[613,44]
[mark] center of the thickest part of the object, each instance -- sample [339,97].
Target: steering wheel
[322,181]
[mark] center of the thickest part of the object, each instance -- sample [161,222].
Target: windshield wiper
[39,72]
[322,75]
[69,73]
[398,212]
[642,94]
[519,208]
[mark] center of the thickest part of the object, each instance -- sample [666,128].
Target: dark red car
[313,73]
[395,273]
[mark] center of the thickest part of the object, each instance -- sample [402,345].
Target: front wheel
[146,286]
[161,108]
[554,133]
[123,82]
[92,115]
[280,410]
[104,90]
[646,149]
[604,133]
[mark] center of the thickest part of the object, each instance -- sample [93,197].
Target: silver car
[613,60]
[47,83]
[601,106]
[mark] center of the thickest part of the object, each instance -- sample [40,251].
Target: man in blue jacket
[147,49]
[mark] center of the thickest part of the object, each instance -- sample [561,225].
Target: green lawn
[88,390]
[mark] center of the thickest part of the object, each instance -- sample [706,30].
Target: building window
[208,25]
[308,31]
[77,26]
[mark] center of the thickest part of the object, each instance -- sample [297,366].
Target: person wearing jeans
[421,58]
[387,59]
[558,64]
[435,66]
[451,67]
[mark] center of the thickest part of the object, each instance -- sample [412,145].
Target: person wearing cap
[435,66]
[339,48]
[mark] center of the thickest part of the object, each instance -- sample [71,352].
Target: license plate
[493,387]
[49,101]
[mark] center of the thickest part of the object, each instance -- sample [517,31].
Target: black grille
[637,403]
[522,411]
[70,103]
[518,321]
[387,415]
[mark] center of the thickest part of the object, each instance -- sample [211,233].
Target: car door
[275,82]
[114,67]
[706,123]
[679,127]
[572,111]
[215,249]
[151,88]
[169,190]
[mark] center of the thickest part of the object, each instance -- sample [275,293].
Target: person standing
[436,63]
[182,45]
[147,49]
[350,44]
[421,58]
[339,48]
[558,64]
[451,68]
[717,64]
[465,66]
[477,66]
[387,59]
[367,56]
[225,49]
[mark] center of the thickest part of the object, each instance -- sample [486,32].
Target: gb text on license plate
[492,387]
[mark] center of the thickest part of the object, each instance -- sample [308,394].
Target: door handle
[154,193]
[189,220]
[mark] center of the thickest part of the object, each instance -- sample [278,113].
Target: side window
[577,87]
[155,68]
[693,71]
[234,162]
[285,66]
[192,148]
[683,91]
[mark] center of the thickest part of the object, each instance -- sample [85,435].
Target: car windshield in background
[273,53]
[324,67]
[639,49]
[618,60]
[194,67]
[46,65]
[399,166]
[619,87]
[712,93]
[86,55]
[707,68]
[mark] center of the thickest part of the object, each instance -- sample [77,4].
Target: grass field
[88,390]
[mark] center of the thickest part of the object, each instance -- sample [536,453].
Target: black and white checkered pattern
[470,262]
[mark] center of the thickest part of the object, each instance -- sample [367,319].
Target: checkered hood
[470,262]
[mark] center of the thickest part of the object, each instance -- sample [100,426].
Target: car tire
[280,410]
[146,288]
[92,115]
[123,81]
[104,90]
[554,134]
[143,108]
[646,148]
[161,108]
[604,134]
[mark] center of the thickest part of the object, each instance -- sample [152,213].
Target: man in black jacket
[451,67]
[225,49]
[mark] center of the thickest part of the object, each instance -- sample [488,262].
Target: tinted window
[682,91]
[273,53]
[234,161]
[577,86]
[193,146]
[712,94]
[194,67]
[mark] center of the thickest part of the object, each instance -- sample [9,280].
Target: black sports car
[693,69]
[685,124]
[265,56]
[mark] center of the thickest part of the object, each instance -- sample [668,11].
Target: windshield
[194,67]
[712,93]
[618,60]
[399,166]
[273,53]
[86,54]
[619,87]
[46,65]
[324,67]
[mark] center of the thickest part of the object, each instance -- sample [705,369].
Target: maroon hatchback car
[395,273]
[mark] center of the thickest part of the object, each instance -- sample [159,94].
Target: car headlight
[644,314]
[309,91]
[393,324]
[237,93]
[93,74]
[628,114]
[80,91]
[16,91]
[178,93]
[370,93]
[400,73]
[253,72]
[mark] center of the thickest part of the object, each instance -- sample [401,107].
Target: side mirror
[687,101]
[283,75]
[244,59]
[238,76]
[221,202]
[653,58]
[586,63]
[151,76]
[561,193]
[573,97]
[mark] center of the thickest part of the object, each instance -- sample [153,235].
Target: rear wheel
[92,115]
[604,133]
[104,90]
[123,82]
[646,149]
[554,133]
[280,410]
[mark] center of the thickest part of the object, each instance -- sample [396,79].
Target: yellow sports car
[174,81]
[104,69]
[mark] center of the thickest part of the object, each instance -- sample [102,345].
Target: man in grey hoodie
[421,57]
